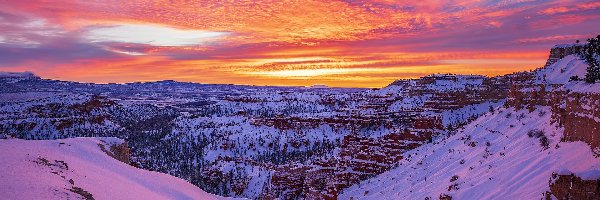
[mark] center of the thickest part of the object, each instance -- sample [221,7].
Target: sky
[340,43]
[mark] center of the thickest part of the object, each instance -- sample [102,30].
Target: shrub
[445,197]
[85,194]
[574,78]
[521,116]
[544,142]
[536,133]
[453,186]
[542,113]
[454,178]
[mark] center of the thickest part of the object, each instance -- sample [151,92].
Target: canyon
[266,142]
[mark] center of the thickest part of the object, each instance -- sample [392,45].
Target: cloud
[155,35]
[554,38]
[366,43]
[576,7]
[36,44]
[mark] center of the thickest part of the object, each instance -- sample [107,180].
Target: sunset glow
[336,43]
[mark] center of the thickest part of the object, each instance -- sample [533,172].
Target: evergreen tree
[590,52]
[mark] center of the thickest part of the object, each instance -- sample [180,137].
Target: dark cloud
[26,40]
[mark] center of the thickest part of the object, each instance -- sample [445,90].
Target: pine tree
[590,51]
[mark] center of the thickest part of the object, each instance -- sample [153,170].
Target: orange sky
[336,43]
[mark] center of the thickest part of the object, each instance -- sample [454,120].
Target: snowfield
[490,158]
[73,168]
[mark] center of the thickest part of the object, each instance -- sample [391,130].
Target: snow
[582,87]
[561,71]
[433,82]
[24,176]
[590,174]
[457,116]
[449,82]
[514,166]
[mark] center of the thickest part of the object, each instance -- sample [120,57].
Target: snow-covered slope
[561,71]
[77,168]
[491,158]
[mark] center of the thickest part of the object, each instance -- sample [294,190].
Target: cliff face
[573,187]
[562,50]
[581,118]
[121,152]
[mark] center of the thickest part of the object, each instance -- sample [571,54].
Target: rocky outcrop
[449,91]
[121,152]
[562,50]
[581,118]
[573,187]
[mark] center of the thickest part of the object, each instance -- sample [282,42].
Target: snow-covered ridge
[11,77]
[441,82]
[16,74]
[77,168]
